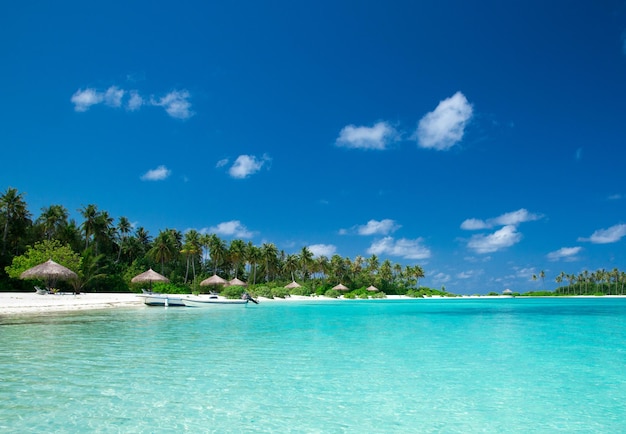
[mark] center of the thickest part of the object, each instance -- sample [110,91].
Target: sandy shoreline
[17,303]
[12,303]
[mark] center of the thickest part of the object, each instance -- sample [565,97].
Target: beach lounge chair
[40,291]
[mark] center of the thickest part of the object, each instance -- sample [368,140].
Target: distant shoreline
[30,303]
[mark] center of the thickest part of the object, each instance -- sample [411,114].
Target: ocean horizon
[444,365]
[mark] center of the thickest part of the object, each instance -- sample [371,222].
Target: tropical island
[106,253]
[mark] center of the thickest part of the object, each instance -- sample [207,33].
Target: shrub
[262,291]
[280,291]
[303,290]
[332,293]
[170,288]
[232,291]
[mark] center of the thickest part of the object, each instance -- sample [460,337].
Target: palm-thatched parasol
[237,282]
[340,287]
[213,280]
[49,271]
[372,288]
[293,285]
[149,276]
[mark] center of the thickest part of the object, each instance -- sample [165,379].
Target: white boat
[153,299]
[213,300]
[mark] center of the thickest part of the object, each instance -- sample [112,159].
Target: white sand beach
[31,302]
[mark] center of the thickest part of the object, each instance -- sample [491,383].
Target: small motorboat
[156,299]
[212,300]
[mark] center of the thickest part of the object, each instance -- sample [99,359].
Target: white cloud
[565,253]
[606,236]
[158,174]
[135,101]
[374,227]
[223,162]
[441,278]
[474,224]
[376,137]
[444,127]
[113,96]
[500,239]
[233,228]
[404,248]
[83,99]
[176,104]
[327,250]
[510,218]
[246,165]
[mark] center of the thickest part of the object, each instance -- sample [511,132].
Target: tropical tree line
[106,253]
[599,282]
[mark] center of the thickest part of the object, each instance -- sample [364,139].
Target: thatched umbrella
[237,282]
[49,271]
[293,285]
[149,276]
[372,288]
[340,287]
[213,280]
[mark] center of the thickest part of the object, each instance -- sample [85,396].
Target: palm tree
[236,254]
[191,249]
[163,249]
[542,274]
[269,253]
[89,213]
[13,210]
[217,250]
[306,261]
[290,265]
[123,229]
[52,219]
[254,256]
[103,231]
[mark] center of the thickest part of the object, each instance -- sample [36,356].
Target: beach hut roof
[214,280]
[372,288]
[340,287]
[149,276]
[507,291]
[237,282]
[48,270]
[293,285]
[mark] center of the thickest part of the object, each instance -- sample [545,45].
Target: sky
[483,141]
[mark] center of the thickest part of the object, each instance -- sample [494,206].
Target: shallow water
[503,365]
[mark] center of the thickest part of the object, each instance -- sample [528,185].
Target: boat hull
[208,302]
[164,300]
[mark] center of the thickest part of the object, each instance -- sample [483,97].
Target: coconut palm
[90,214]
[52,219]
[253,256]
[164,248]
[217,251]
[236,254]
[269,253]
[15,214]
[123,229]
[305,258]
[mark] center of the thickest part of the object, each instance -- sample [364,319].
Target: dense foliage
[106,254]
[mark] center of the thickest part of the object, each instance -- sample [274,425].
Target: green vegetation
[106,254]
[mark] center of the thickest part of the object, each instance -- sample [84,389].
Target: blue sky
[481,140]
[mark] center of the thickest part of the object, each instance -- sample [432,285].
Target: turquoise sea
[390,366]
